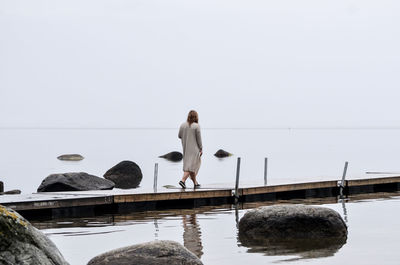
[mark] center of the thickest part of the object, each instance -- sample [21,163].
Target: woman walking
[189,133]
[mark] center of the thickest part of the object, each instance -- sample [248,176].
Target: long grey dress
[191,143]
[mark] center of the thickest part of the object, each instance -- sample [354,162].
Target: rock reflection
[302,248]
[192,234]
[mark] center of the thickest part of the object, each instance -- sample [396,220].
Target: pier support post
[155,177]
[237,180]
[341,185]
[265,170]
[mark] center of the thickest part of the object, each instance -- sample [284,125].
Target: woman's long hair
[192,117]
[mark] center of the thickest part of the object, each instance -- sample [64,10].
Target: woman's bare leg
[186,174]
[193,178]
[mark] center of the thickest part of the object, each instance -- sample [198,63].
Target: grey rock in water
[71,157]
[10,192]
[21,243]
[291,221]
[74,182]
[125,175]
[1,186]
[158,252]
[308,231]
[222,153]
[173,156]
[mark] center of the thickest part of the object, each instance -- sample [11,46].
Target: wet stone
[173,156]
[222,153]
[125,175]
[70,157]
[78,181]
[288,229]
[158,252]
[21,243]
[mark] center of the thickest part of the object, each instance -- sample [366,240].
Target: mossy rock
[21,243]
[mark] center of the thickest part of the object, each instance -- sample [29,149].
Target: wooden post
[265,170]
[155,177]
[237,180]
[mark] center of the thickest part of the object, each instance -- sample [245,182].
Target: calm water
[211,233]
[28,156]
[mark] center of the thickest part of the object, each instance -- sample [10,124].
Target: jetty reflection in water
[211,232]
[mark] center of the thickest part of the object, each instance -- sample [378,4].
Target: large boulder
[287,229]
[125,175]
[71,157]
[222,153]
[158,252]
[74,182]
[173,156]
[23,244]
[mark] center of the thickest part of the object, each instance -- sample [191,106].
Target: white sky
[280,63]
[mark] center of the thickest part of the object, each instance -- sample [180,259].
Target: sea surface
[211,233]
[27,156]
[294,155]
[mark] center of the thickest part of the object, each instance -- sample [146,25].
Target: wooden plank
[288,187]
[373,181]
[171,196]
[54,204]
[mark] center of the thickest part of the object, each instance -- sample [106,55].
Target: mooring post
[265,170]
[155,177]
[237,180]
[343,178]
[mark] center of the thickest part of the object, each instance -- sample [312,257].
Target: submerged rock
[10,192]
[293,229]
[21,243]
[71,157]
[158,252]
[125,175]
[74,182]
[173,156]
[222,153]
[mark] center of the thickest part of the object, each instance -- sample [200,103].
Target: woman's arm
[180,132]
[198,139]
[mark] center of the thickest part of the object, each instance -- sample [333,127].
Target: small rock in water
[157,252]
[173,156]
[125,175]
[22,243]
[74,182]
[10,192]
[222,153]
[71,157]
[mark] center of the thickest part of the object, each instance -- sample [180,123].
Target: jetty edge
[79,204]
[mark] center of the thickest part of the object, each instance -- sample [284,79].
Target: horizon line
[208,128]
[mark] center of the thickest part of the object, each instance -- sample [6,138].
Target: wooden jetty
[90,203]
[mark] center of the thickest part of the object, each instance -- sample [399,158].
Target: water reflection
[302,248]
[192,234]
[168,224]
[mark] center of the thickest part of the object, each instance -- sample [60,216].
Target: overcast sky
[266,63]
